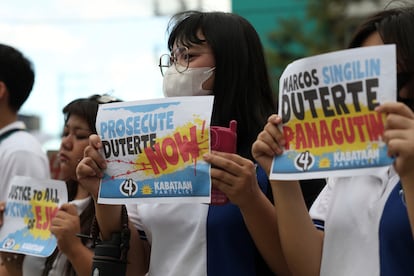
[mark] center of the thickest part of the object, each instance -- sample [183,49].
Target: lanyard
[8,133]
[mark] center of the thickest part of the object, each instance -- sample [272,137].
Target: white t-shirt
[199,239]
[350,209]
[20,154]
[186,241]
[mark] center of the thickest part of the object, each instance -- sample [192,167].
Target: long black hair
[242,89]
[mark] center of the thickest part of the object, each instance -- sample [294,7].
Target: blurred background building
[81,48]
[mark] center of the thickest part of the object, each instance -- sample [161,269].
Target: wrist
[254,200]
[74,249]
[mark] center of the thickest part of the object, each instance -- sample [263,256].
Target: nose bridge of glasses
[180,56]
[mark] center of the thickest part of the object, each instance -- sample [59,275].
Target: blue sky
[81,48]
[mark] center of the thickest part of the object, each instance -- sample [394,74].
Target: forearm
[10,270]
[301,241]
[11,264]
[109,219]
[260,219]
[408,187]
[81,259]
[138,255]
[3,270]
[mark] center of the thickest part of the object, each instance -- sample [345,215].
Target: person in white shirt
[20,152]
[73,255]
[358,225]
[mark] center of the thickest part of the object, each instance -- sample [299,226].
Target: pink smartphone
[222,139]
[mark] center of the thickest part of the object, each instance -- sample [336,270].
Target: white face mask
[187,83]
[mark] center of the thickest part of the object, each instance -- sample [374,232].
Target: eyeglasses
[179,57]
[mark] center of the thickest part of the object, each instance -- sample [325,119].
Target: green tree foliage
[326,27]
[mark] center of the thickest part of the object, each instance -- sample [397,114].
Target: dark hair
[242,88]
[87,109]
[395,26]
[17,73]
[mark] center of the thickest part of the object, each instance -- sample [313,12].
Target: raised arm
[89,173]
[236,177]
[301,242]
[65,226]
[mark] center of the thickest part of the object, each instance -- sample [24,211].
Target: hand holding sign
[65,226]
[90,169]
[327,104]
[153,150]
[30,208]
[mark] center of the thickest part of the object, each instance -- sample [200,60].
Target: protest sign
[154,150]
[327,107]
[31,205]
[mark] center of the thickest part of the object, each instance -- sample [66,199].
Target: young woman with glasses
[218,54]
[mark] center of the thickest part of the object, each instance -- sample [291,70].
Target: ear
[3,90]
